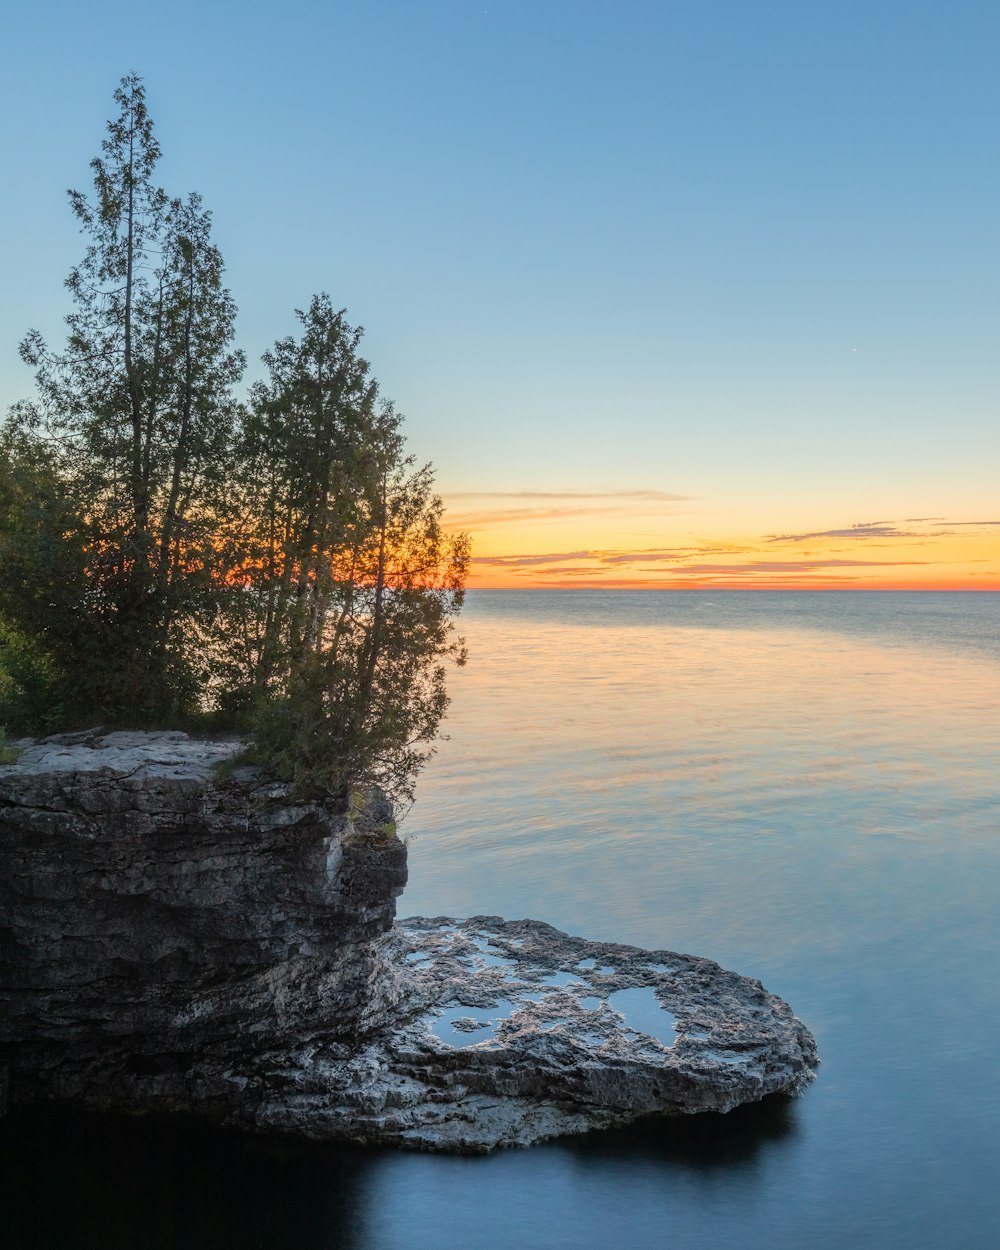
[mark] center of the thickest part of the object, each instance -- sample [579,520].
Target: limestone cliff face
[151,912]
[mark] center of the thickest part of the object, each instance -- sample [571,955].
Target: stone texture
[151,912]
[174,940]
[512,1032]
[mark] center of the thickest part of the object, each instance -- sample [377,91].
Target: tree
[47,624]
[342,611]
[135,417]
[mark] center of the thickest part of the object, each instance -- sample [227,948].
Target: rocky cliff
[152,911]
[176,936]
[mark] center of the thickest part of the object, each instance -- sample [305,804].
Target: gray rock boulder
[512,1032]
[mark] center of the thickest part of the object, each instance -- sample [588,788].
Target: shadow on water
[81,1181]
[708,1142]
[72,1180]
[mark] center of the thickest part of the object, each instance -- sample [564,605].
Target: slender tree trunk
[346,610]
[139,501]
[375,638]
[153,389]
[170,512]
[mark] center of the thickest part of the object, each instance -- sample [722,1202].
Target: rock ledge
[512,1032]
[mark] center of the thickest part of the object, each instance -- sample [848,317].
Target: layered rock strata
[173,939]
[153,912]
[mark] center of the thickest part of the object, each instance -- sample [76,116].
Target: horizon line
[922,590]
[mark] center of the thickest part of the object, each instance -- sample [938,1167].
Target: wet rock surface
[513,1032]
[173,940]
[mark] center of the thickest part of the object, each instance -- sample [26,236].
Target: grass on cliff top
[9,753]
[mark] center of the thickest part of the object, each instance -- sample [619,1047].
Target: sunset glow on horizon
[572,540]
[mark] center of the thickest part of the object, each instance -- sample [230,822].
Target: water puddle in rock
[486,1018]
[639,1005]
[591,965]
[490,955]
[644,1014]
[559,980]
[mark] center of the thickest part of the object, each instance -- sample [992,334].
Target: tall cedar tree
[340,619]
[133,422]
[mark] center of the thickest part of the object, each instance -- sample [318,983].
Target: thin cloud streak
[862,530]
[513,516]
[556,505]
[655,556]
[794,566]
[614,556]
[508,562]
[705,582]
[661,495]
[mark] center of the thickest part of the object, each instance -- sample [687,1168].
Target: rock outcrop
[513,1032]
[152,912]
[175,938]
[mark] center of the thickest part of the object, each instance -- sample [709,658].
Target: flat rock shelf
[511,1032]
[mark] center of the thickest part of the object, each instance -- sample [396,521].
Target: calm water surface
[801,786]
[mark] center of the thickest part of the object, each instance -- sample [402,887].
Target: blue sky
[740,252]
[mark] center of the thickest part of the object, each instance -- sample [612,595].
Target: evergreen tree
[348,586]
[134,416]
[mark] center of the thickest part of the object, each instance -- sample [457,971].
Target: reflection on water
[730,786]
[802,786]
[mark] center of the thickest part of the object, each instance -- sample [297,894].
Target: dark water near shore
[802,786]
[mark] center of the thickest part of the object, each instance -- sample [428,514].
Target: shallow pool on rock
[443,1026]
[644,1013]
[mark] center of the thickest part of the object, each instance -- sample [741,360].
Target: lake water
[802,786]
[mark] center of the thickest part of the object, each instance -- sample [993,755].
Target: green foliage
[128,437]
[370,816]
[9,754]
[167,554]
[29,685]
[346,584]
[46,629]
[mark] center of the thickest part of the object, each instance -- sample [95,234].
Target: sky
[671,294]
